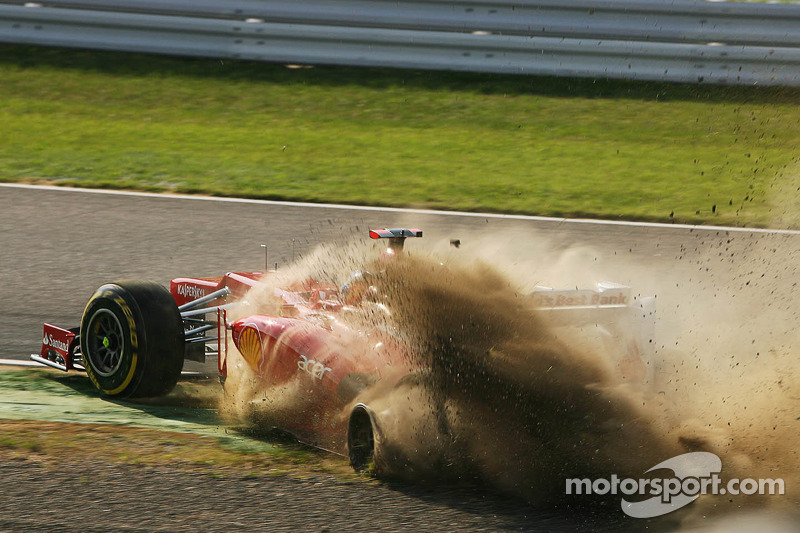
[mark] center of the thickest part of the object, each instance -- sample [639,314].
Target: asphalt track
[57,245]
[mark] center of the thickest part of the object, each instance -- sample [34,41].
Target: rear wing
[396,236]
[607,296]
[625,322]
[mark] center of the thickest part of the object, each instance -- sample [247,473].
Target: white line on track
[401,210]
[16,362]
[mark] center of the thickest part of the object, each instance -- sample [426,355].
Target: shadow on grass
[135,64]
[182,404]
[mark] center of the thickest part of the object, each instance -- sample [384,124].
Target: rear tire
[132,339]
[361,439]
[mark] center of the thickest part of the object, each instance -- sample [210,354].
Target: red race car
[135,335]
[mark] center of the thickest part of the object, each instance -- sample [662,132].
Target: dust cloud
[496,394]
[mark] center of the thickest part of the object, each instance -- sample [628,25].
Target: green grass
[535,145]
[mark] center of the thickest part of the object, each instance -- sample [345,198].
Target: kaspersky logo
[190,291]
[49,341]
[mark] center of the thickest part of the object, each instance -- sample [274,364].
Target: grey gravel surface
[75,497]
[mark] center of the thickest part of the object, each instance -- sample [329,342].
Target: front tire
[132,339]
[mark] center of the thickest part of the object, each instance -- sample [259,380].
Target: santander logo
[48,340]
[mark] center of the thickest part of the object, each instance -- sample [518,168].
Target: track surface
[58,246]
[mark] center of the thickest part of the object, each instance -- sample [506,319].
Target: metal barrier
[671,40]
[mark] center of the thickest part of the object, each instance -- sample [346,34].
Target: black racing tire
[361,439]
[132,340]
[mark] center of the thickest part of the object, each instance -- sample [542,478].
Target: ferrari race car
[135,335]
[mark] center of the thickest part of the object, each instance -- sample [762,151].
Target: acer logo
[190,291]
[49,341]
[312,368]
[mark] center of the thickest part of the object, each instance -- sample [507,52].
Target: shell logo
[250,347]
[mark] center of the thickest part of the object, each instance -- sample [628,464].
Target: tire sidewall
[127,376]
[362,419]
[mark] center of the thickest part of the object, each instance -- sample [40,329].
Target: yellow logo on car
[250,347]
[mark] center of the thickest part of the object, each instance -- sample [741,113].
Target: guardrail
[671,40]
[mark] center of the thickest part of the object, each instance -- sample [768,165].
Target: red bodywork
[306,347]
[184,290]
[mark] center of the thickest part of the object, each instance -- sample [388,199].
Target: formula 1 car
[135,335]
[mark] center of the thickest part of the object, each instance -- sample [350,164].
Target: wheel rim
[105,342]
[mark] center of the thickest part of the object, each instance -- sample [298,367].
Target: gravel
[86,497]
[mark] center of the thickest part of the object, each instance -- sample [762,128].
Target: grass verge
[45,435]
[58,441]
[534,145]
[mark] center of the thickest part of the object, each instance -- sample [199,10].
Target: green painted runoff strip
[45,395]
